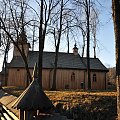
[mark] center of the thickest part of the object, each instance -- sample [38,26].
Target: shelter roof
[33,98]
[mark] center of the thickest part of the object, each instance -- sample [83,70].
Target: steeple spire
[22,35]
[75,49]
[22,38]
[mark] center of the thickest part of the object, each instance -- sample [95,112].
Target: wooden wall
[17,77]
[2,79]
[100,83]
[46,78]
[64,79]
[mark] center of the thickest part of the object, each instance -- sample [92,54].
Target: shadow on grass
[100,108]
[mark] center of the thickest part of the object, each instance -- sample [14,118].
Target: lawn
[90,105]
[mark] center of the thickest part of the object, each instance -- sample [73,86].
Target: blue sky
[105,37]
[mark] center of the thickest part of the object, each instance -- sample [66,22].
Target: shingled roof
[65,60]
[95,64]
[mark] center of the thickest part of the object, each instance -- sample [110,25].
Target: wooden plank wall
[46,79]
[64,78]
[18,78]
[100,80]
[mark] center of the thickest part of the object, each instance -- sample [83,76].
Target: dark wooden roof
[95,64]
[65,60]
[33,98]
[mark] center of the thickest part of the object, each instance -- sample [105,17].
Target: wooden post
[21,114]
[28,115]
[118,97]
[116,21]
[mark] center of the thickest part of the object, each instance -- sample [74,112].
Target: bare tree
[16,24]
[4,40]
[88,42]
[46,8]
[57,47]
[116,21]
[33,38]
[43,17]
[41,45]
[61,25]
[85,15]
[94,24]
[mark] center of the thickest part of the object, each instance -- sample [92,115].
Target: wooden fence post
[21,114]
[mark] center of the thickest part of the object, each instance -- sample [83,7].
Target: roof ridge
[65,60]
[52,52]
[90,58]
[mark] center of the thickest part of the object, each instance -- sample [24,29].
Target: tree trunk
[83,47]
[68,37]
[94,46]
[57,49]
[41,44]
[55,70]
[0,35]
[33,41]
[116,20]
[88,43]
[5,63]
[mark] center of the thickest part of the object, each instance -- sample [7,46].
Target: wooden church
[71,70]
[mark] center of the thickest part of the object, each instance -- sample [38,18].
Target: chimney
[75,50]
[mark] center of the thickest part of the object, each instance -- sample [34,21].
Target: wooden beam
[21,114]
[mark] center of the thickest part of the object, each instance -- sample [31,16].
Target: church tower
[22,39]
[75,50]
[22,43]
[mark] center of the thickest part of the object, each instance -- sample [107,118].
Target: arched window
[94,78]
[82,85]
[73,76]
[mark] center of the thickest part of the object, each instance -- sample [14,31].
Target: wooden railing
[5,114]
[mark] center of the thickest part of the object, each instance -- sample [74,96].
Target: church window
[73,76]
[94,78]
